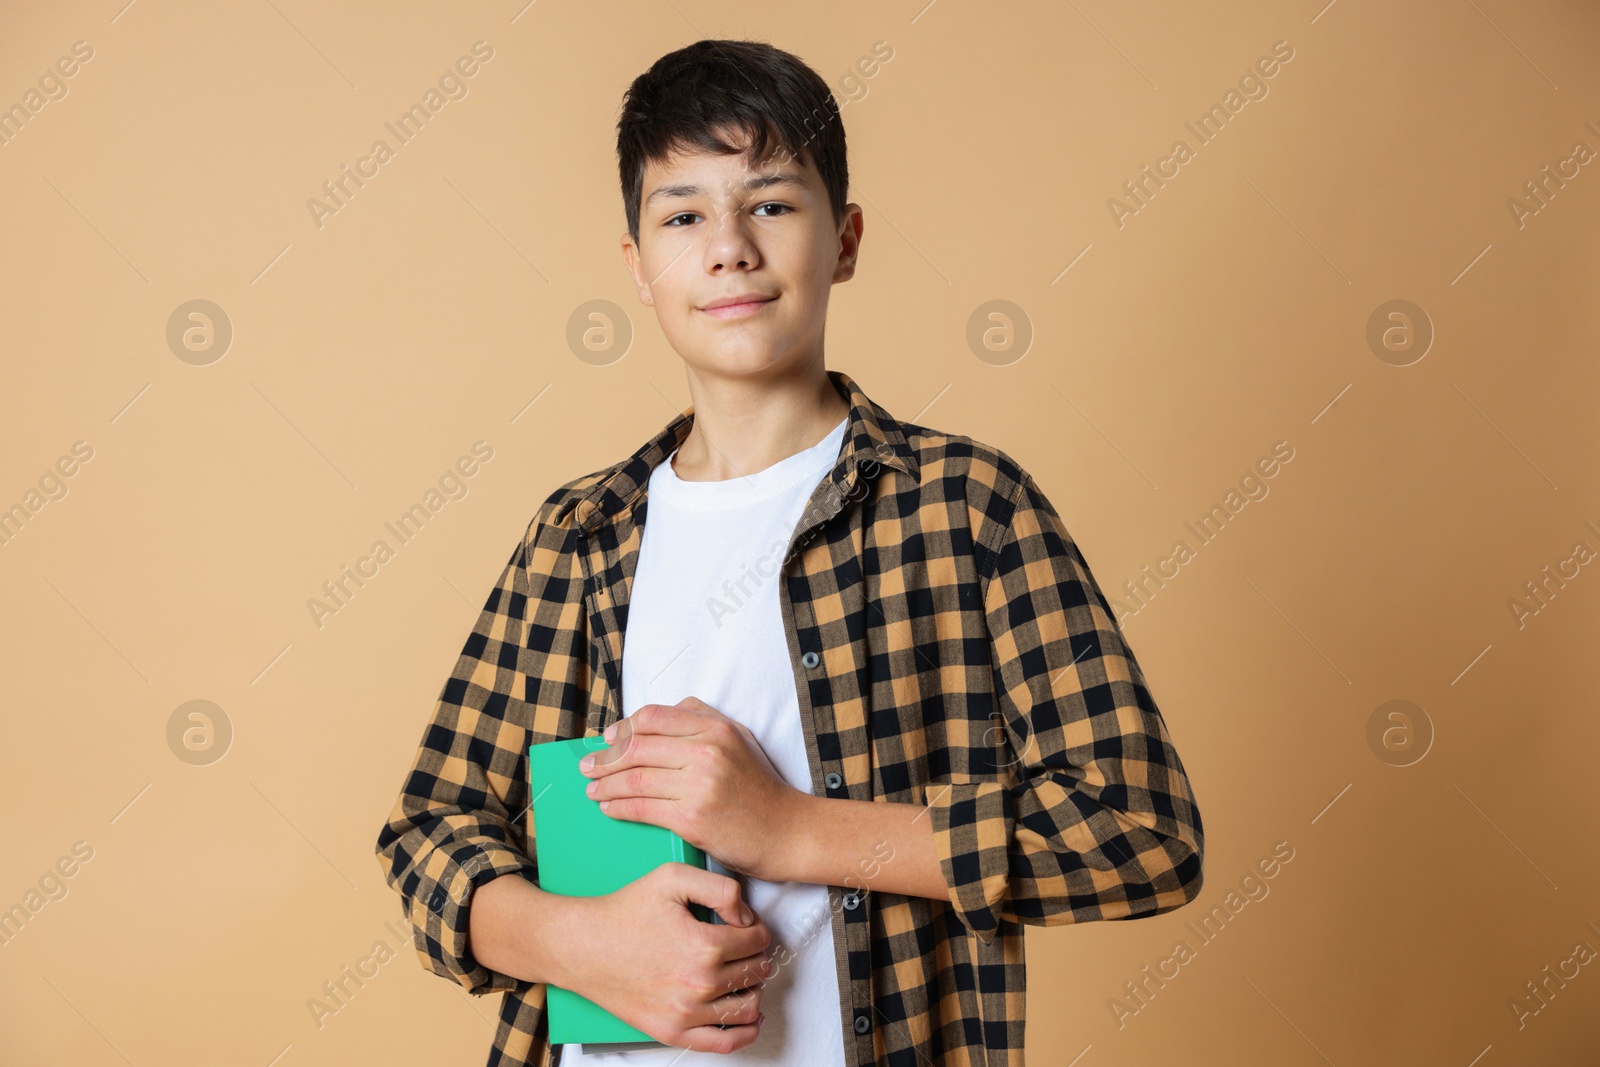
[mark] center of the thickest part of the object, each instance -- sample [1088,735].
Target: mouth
[738,310]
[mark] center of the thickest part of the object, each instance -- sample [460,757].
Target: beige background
[432,310]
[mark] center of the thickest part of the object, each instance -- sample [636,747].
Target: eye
[681,215]
[784,207]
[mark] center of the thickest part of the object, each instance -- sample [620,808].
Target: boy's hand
[655,966]
[693,770]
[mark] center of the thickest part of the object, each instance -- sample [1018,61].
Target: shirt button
[834,780]
[863,1024]
[810,659]
[852,900]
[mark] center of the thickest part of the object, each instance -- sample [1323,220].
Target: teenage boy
[867,669]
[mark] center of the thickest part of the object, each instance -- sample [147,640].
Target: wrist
[788,840]
[563,943]
[521,930]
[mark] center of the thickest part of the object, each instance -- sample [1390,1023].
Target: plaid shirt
[950,649]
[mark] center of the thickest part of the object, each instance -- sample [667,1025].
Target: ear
[635,264]
[849,243]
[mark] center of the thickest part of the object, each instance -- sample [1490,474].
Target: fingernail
[611,732]
[744,911]
[587,763]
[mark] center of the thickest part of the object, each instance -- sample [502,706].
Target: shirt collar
[872,436]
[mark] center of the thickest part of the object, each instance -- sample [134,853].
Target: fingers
[640,749]
[732,1022]
[739,942]
[715,1039]
[719,892]
[683,718]
[747,971]
[732,1009]
[650,783]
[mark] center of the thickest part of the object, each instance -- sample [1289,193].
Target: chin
[743,362]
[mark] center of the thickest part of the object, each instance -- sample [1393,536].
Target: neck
[746,424]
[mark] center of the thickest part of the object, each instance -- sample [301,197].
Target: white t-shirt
[704,621]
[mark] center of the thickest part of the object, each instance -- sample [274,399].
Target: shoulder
[554,524]
[557,508]
[988,481]
[1013,526]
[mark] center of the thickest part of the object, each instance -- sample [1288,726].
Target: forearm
[860,844]
[517,928]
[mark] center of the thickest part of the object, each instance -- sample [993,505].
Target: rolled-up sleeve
[1090,814]
[456,823]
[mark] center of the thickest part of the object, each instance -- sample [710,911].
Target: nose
[730,245]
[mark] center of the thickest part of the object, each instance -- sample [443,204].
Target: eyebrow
[684,191]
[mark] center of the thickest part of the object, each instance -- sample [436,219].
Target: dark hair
[688,95]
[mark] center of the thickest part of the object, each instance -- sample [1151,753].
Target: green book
[581,851]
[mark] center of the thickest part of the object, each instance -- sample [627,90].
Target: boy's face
[712,227]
